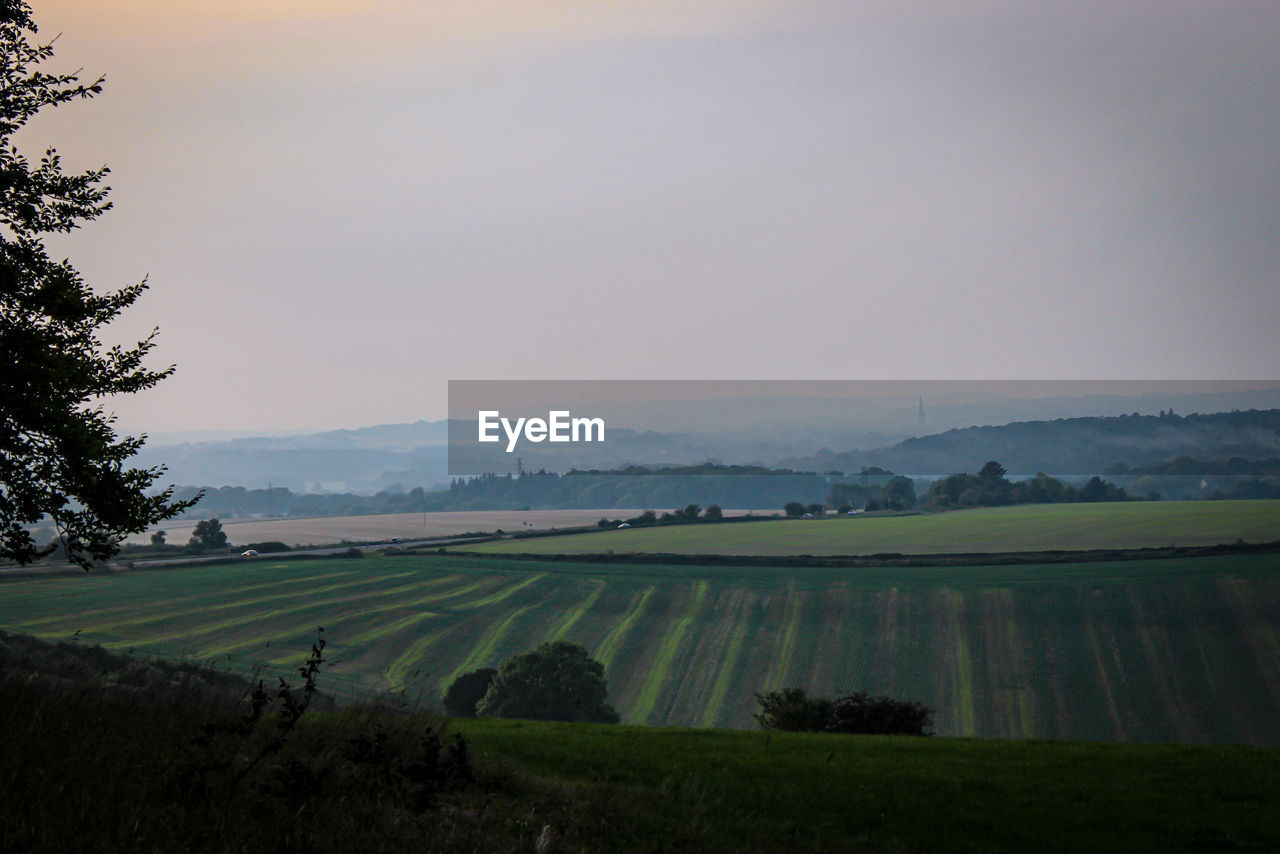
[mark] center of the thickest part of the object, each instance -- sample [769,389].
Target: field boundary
[887,558]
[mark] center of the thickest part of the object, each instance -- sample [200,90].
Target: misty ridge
[1072,446]
[807,434]
[1230,454]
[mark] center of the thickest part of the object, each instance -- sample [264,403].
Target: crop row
[1171,653]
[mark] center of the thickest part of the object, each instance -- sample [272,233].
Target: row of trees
[990,487]
[859,713]
[689,513]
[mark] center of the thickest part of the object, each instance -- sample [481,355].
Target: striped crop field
[1156,650]
[1028,527]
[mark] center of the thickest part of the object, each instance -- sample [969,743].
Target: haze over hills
[1071,446]
[798,433]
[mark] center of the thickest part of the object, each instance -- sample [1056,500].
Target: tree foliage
[60,457]
[557,681]
[860,713]
[991,488]
[465,692]
[208,534]
[794,710]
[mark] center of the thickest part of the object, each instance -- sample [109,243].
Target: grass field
[323,530]
[1163,650]
[736,791]
[89,770]
[1038,527]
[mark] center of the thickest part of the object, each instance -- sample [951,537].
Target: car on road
[397,540]
[249,553]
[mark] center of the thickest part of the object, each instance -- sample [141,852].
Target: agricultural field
[1181,650]
[708,790]
[1028,527]
[323,530]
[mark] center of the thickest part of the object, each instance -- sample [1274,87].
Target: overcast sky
[342,206]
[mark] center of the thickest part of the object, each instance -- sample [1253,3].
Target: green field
[1160,650]
[737,791]
[1028,527]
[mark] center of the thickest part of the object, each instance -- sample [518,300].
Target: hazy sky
[342,206]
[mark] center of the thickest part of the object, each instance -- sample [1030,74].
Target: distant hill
[1070,445]
[365,459]
[369,459]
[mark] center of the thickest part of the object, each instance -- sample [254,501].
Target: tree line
[990,487]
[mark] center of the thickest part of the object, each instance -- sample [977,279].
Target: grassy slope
[1041,527]
[1181,650]
[350,782]
[786,791]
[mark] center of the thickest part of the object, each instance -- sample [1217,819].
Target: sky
[340,207]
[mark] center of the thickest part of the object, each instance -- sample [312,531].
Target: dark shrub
[859,713]
[558,681]
[467,690]
[793,710]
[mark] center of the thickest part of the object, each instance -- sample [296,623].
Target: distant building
[920,414]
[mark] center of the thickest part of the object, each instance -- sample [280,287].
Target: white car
[397,539]
[249,553]
[625,525]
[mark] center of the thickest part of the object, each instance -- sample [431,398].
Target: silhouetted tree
[60,457]
[208,534]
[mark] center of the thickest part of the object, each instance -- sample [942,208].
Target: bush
[861,714]
[793,710]
[466,691]
[794,508]
[558,681]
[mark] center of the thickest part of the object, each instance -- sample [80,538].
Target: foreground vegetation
[751,791]
[91,769]
[1151,650]
[1042,527]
